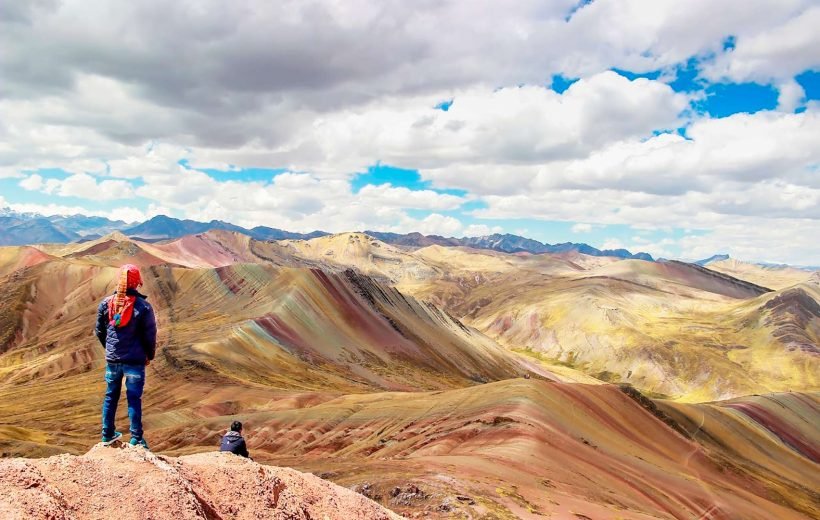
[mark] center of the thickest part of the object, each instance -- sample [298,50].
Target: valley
[441,380]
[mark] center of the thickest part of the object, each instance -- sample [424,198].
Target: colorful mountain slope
[248,326]
[776,277]
[771,439]
[366,334]
[378,386]
[676,329]
[530,448]
[668,328]
[680,278]
[16,258]
[211,249]
[364,253]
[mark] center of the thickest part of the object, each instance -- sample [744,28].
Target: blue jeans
[134,382]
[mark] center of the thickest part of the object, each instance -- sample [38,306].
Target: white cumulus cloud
[581,227]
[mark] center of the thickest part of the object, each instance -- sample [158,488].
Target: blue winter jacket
[134,343]
[234,443]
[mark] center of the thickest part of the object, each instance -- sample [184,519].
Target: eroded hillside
[399,372]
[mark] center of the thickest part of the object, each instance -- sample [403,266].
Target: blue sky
[681,135]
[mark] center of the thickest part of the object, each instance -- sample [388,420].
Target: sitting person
[233,441]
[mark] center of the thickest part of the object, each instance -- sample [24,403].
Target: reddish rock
[131,483]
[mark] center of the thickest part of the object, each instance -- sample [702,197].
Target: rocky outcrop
[132,483]
[792,314]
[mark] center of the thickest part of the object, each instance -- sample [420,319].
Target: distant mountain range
[713,258]
[506,243]
[722,257]
[32,228]
[29,228]
[162,227]
[18,231]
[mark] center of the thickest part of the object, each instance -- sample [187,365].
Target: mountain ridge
[383,368]
[505,243]
[70,228]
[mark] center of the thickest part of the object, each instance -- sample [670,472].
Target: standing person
[127,328]
[233,441]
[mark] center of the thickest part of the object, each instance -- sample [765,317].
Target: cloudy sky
[681,128]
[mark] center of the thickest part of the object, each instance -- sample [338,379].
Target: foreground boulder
[131,483]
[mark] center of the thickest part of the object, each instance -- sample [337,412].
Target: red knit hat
[121,305]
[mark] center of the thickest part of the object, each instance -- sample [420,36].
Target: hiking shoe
[109,440]
[138,442]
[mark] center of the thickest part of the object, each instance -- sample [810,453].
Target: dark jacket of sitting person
[234,442]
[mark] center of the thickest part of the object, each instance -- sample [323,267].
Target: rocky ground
[132,483]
